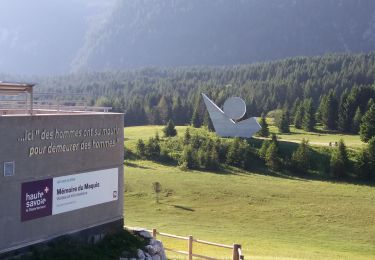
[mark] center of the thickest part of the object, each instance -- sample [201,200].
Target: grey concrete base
[90,235]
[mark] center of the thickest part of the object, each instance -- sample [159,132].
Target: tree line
[302,85]
[203,150]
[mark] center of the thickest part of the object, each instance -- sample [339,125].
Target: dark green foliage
[283,123]
[371,156]
[187,160]
[339,161]
[195,120]
[263,149]
[328,111]
[141,148]
[207,121]
[365,164]
[235,153]
[169,130]
[308,120]
[264,131]
[111,247]
[299,115]
[301,160]
[367,128]
[152,149]
[357,121]
[152,96]
[187,136]
[343,121]
[272,157]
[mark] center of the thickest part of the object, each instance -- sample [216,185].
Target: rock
[145,234]
[148,256]
[156,257]
[158,246]
[151,250]
[140,254]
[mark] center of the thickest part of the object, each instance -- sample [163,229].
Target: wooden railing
[236,248]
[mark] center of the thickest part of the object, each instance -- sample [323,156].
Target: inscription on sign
[73,140]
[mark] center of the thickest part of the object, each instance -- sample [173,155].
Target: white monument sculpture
[225,122]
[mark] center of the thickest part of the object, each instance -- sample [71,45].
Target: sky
[33,33]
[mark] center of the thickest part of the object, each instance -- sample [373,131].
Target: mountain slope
[142,33]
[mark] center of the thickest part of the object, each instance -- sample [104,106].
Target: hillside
[275,216]
[152,96]
[49,38]
[184,33]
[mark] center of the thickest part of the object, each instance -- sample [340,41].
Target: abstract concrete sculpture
[224,121]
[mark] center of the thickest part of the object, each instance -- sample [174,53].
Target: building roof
[15,88]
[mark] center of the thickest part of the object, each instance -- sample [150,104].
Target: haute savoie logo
[36,199]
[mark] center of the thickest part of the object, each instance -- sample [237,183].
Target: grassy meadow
[272,217]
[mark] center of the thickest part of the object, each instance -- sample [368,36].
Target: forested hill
[152,96]
[140,33]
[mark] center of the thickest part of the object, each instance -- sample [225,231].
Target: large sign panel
[66,193]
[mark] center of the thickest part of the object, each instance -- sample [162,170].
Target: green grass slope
[271,217]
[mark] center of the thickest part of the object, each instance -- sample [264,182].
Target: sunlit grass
[269,216]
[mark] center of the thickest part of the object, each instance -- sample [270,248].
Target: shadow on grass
[183,207]
[134,165]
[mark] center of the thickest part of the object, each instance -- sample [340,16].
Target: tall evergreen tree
[264,131]
[339,161]
[357,121]
[299,116]
[343,121]
[195,119]
[272,157]
[301,157]
[283,123]
[328,111]
[308,121]
[367,128]
[169,130]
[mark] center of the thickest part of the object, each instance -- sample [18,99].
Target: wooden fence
[236,248]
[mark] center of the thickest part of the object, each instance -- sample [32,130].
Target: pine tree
[263,149]
[163,109]
[187,136]
[294,109]
[308,121]
[329,111]
[283,123]
[152,148]
[169,130]
[371,156]
[301,157]
[272,157]
[299,116]
[343,122]
[339,161]
[235,154]
[207,121]
[357,121]
[187,160]
[367,127]
[141,148]
[264,131]
[195,119]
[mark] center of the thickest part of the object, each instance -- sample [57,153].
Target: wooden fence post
[236,256]
[154,233]
[190,247]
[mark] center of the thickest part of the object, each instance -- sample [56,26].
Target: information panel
[66,193]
